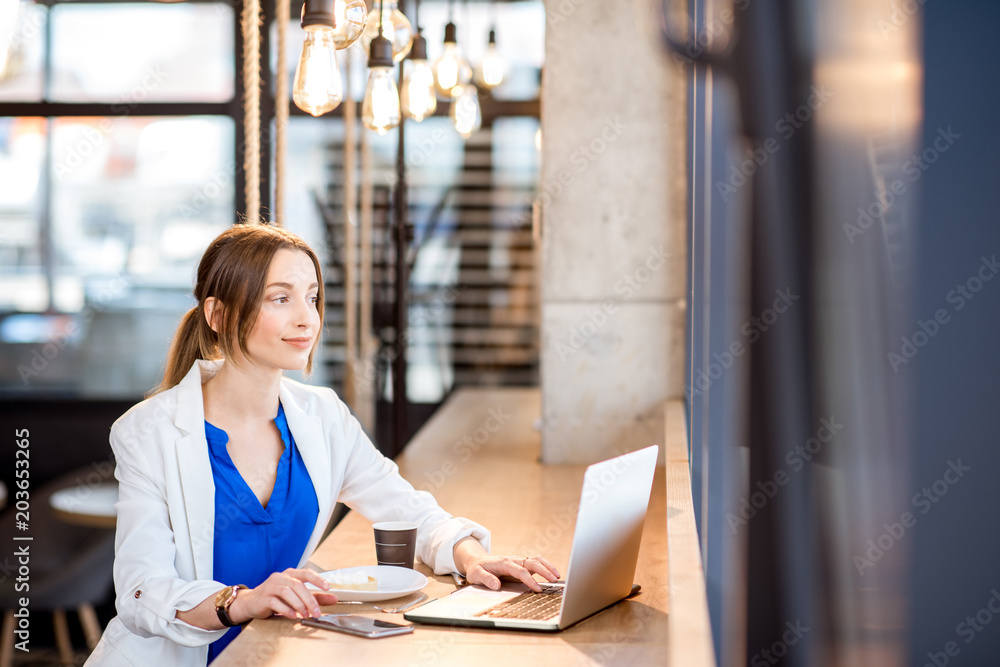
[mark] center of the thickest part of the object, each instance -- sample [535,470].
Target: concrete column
[613,232]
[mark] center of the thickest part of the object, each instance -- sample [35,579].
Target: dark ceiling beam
[120,108]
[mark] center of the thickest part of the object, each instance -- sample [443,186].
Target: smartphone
[362,626]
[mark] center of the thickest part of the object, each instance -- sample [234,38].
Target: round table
[87,504]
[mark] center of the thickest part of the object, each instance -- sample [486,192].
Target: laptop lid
[608,532]
[613,504]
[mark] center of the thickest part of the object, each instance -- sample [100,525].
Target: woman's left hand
[481,568]
[488,570]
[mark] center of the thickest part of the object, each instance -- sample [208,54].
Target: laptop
[602,561]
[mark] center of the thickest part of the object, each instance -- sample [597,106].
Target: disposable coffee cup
[395,543]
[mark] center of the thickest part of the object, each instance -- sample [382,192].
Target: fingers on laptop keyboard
[541,566]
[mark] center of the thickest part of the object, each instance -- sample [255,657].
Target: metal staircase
[473,291]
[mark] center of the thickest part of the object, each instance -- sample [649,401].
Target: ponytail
[192,341]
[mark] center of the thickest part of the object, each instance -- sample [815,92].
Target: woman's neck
[245,393]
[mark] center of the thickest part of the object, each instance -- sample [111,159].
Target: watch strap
[222,607]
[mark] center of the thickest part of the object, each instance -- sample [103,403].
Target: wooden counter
[479,456]
[690,632]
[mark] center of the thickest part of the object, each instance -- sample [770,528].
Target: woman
[229,473]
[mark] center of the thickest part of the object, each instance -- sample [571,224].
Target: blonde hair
[234,271]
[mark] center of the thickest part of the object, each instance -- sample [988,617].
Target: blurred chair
[70,567]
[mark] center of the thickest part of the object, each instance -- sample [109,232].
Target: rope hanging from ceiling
[250,26]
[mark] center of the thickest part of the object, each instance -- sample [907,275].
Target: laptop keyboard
[529,606]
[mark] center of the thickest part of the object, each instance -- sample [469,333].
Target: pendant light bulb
[351,17]
[489,75]
[380,111]
[395,27]
[318,87]
[381,108]
[465,113]
[451,70]
[417,96]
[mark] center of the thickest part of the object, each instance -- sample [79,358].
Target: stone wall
[613,231]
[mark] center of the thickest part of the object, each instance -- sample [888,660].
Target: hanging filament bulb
[380,111]
[318,87]
[417,96]
[395,27]
[490,72]
[451,70]
[465,112]
[351,16]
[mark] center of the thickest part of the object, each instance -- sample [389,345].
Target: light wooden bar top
[690,632]
[479,456]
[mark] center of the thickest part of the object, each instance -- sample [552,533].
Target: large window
[118,164]
[120,135]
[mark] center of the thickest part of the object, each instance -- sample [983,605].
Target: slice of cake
[352,581]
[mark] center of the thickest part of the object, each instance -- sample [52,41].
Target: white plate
[393,582]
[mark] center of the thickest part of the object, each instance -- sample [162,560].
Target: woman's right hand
[283,593]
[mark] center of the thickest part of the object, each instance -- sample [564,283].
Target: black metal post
[239,182]
[268,11]
[400,404]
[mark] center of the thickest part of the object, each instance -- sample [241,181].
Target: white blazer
[166,511]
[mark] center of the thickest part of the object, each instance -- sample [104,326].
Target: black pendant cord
[400,402]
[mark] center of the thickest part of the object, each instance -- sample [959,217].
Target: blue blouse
[252,542]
